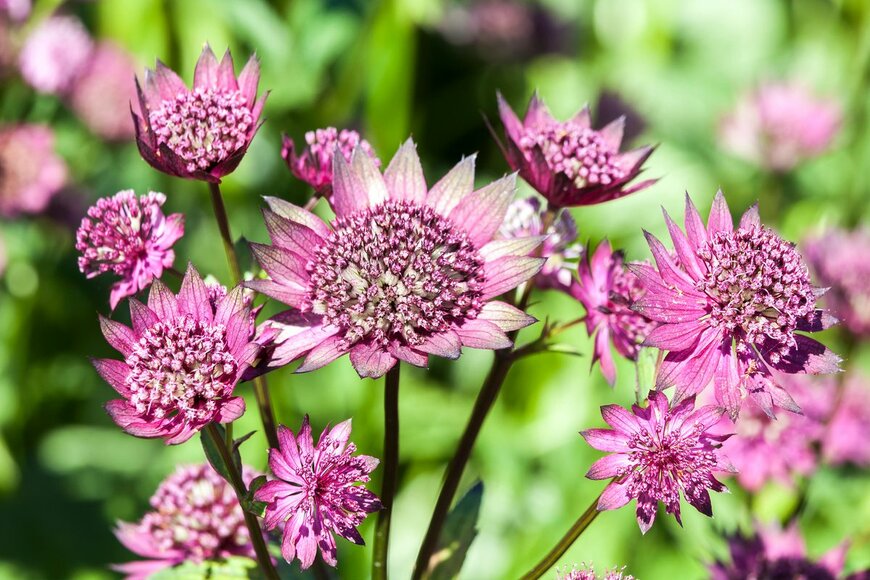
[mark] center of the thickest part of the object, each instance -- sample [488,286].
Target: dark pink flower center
[758,284]
[203,127]
[397,272]
[578,152]
[181,366]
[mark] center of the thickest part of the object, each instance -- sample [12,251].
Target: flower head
[182,360]
[839,259]
[200,133]
[102,94]
[588,573]
[196,516]
[607,290]
[31,173]
[848,428]
[313,164]
[401,274]
[129,237]
[658,452]
[730,303]
[779,125]
[524,219]
[54,54]
[570,163]
[314,494]
[15,10]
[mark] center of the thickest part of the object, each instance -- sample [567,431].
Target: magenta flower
[314,495]
[314,164]
[607,290]
[195,517]
[839,260]
[848,429]
[656,453]
[779,125]
[129,237]
[102,93]
[182,360]
[15,10]
[588,573]
[729,304]
[524,219]
[31,173]
[54,54]
[569,163]
[403,273]
[200,133]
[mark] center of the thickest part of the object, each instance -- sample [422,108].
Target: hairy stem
[262,552]
[391,473]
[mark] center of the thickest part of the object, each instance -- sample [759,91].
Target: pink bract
[607,290]
[569,163]
[656,453]
[314,495]
[31,173]
[199,133]
[129,237]
[404,272]
[182,360]
[313,164]
[730,304]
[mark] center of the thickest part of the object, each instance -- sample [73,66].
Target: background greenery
[67,473]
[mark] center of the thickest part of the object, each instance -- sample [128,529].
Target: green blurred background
[393,68]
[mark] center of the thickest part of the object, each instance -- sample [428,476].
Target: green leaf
[460,529]
[249,504]
[238,442]
[213,454]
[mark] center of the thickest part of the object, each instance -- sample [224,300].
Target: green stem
[567,540]
[260,549]
[391,473]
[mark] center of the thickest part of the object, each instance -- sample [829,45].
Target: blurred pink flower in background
[54,54]
[841,261]
[847,436]
[588,573]
[779,125]
[313,164]
[31,173]
[15,10]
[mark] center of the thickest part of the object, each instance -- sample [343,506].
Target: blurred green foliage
[67,473]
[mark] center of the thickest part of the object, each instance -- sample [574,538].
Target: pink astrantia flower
[129,237]
[102,94]
[31,173]
[570,163]
[196,517]
[54,54]
[15,10]
[779,125]
[607,290]
[314,494]
[588,573]
[200,133]
[657,452]
[525,218]
[313,164]
[402,273]
[182,360]
[776,553]
[848,430]
[729,304]
[839,259]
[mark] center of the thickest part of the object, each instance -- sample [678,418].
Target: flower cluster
[588,573]
[314,164]
[55,53]
[31,173]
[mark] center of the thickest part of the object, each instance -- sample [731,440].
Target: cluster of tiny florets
[322,144]
[204,126]
[578,152]
[588,573]
[181,366]
[399,271]
[757,283]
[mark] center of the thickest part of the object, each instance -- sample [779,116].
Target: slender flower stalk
[391,473]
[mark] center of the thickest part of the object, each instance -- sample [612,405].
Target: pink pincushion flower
[314,164]
[403,272]
[314,494]
[656,453]
[607,290]
[588,573]
[31,173]
[196,517]
[839,259]
[54,54]
[779,125]
[182,360]
[129,237]
[848,429]
[729,304]
[102,94]
[569,163]
[524,219]
[200,133]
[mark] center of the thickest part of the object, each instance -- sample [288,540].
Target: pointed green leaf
[460,529]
